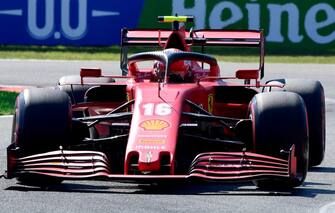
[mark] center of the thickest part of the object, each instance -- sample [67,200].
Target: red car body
[163,116]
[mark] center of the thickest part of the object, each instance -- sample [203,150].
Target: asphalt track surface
[316,195]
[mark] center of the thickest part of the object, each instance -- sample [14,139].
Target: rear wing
[151,37]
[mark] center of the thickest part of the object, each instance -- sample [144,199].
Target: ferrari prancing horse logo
[210,103]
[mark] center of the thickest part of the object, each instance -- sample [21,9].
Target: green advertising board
[289,25]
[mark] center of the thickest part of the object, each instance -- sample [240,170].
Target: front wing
[212,166]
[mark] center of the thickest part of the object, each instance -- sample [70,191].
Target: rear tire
[77,92]
[42,123]
[313,95]
[279,121]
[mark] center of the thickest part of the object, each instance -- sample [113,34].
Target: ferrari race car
[170,116]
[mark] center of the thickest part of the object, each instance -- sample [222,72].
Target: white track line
[329,208]
[6,116]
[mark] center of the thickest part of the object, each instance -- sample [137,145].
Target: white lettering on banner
[253,16]
[312,25]
[276,12]
[45,31]
[72,33]
[198,11]
[80,30]
[215,21]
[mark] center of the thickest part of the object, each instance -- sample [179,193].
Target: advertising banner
[66,22]
[289,25]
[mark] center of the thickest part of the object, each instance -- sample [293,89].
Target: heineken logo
[283,21]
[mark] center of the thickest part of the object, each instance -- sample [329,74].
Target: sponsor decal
[154,125]
[152,141]
[210,103]
[150,147]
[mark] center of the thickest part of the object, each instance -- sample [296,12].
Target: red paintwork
[148,33]
[173,95]
[247,74]
[90,72]
[229,34]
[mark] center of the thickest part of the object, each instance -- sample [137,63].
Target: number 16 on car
[156,109]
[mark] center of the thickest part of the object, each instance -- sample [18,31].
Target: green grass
[60,52]
[113,53]
[7,102]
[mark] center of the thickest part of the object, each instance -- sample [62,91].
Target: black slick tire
[312,93]
[42,123]
[76,92]
[279,121]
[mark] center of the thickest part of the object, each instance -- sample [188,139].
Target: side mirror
[247,74]
[90,72]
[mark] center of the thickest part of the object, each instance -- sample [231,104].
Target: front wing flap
[213,166]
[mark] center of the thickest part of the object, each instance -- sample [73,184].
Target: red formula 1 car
[171,116]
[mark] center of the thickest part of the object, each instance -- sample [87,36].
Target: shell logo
[154,125]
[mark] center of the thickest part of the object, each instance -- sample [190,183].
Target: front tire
[42,123]
[279,121]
